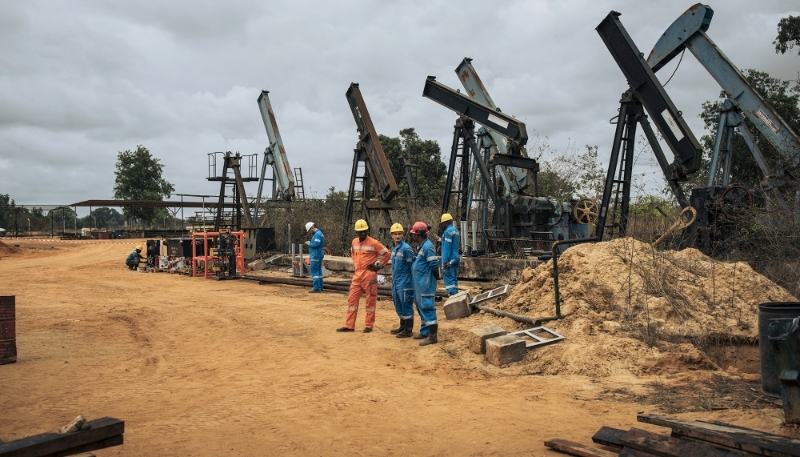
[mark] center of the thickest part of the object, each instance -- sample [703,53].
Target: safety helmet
[396,227]
[309,225]
[139,247]
[361,225]
[446,217]
[419,228]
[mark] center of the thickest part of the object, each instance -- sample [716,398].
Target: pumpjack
[377,175]
[286,184]
[496,174]
[721,202]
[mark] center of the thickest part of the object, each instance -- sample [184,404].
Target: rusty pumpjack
[376,176]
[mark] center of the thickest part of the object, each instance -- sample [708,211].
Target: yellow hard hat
[446,217]
[361,225]
[139,247]
[396,227]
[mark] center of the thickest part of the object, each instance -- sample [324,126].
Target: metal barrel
[770,371]
[8,341]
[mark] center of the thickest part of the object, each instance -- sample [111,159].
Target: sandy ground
[207,368]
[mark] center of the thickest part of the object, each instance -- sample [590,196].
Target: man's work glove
[436,274]
[375,267]
[445,266]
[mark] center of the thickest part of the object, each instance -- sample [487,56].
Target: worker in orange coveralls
[365,252]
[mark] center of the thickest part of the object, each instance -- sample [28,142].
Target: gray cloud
[83,80]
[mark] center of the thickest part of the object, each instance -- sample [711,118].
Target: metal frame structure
[645,91]
[283,180]
[377,174]
[688,32]
[206,257]
[518,219]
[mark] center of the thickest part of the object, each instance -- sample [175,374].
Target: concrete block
[457,306]
[259,264]
[505,349]
[478,337]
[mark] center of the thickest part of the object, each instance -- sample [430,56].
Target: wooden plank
[738,452]
[734,437]
[108,442]
[628,452]
[45,444]
[573,448]
[608,436]
[666,446]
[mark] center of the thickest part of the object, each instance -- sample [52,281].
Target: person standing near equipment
[133,259]
[315,256]
[451,240]
[364,250]
[402,282]
[424,270]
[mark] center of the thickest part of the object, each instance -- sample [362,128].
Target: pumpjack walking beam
[688,32]
[646,91]
[274,155]
[377,171]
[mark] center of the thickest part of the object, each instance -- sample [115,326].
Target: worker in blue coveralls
[451,241]
[424,270]
[402,282]
[315,255]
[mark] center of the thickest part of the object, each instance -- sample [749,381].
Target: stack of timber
[688,439]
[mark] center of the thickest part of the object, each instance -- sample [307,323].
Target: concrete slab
[457,306]
[505,349]
[478,337]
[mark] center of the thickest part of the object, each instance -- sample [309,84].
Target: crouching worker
[402,283]
[133,259]
[364,251]
[424,269]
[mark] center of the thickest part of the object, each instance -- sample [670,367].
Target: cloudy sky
[80,81]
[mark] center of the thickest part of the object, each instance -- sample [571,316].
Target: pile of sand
[7,250]
[634,309]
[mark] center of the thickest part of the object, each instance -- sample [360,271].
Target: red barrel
[8,341]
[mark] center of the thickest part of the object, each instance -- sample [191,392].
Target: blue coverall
[132,261]
[402,282]
[315,255]
[425,263]
[451,240]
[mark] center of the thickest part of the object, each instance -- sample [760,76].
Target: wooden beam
[608,436]
[101,433]
[666,446]
[735,437]
[581,450]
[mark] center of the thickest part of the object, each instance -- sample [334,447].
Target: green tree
[6,210]
[784,98]
[139,178]
[788,34]
[424,158]
[567,175]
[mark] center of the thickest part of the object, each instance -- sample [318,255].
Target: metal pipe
[516,317]
[556,294]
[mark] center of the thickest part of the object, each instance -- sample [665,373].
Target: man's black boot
[408,326]
[397,330]
[432,338]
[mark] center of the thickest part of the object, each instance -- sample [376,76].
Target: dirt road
[207,368]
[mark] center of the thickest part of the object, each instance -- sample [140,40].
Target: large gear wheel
[585,211]
[736,202]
